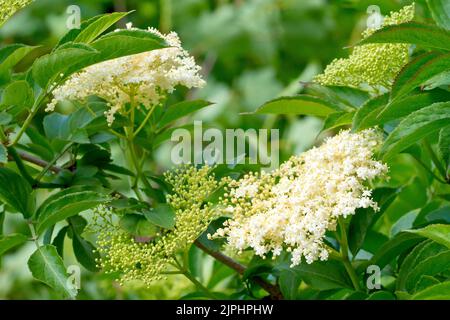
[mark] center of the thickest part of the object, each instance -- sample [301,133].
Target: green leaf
[51,66]
[68,128]
[16,192]
[72,57]
[323,275]
[162,216]
[359,225]
[437,292]
[302,104]
[10,241]
[348,98]
[430,266]
[47,266]
[181,109]
[436,232]
[420,252]
[94,29]
[418,72]
[444,145]
[394,247]
[416,126]
[425,282]
[440,10]
[58,241]
[65,204]
[370,106]
[289,282]
[338,119]
[11,55]
[402,107]
[137,225]
[18,93]
[85,252]
[381,295]
[427,36]
[3,154]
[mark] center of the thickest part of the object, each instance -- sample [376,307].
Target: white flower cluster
[293,207]
[144,78]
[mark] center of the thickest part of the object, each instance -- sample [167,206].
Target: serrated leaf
[416,126]
[72,57]
[85,252]
[94,29]
[402,107]
[181,109]
[10,241]
[58,241]
[420,252]
[18,93]
[338,119]
[65,204]
[323,275]
[440,11]
[437,292]
[425,282]
[162,216]
[10,56]
[289,282]
[16,192]
[302,104]
[418,72]
[394,247]
[427,36]
[47,266]
[51,66]
[436,232]
[350,98]
[430,266]
[370,106]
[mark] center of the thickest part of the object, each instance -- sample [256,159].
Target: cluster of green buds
[9,7]
[374,65]
[146,261]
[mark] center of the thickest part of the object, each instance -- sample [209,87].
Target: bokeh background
[251,51]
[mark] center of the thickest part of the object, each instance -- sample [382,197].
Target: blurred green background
[251,51]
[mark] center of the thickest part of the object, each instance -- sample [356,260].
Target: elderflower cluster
[146,259]
[294,206]
[374,64]
[144,78]
[9,7]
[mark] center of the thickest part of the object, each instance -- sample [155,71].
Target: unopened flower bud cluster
[147,261]
[374,64]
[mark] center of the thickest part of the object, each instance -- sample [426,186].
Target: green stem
[34,236]
[199,285]
[147,117]
[34,110]
[344,254]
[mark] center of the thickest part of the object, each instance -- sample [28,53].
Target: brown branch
[270,288]
[42,163]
